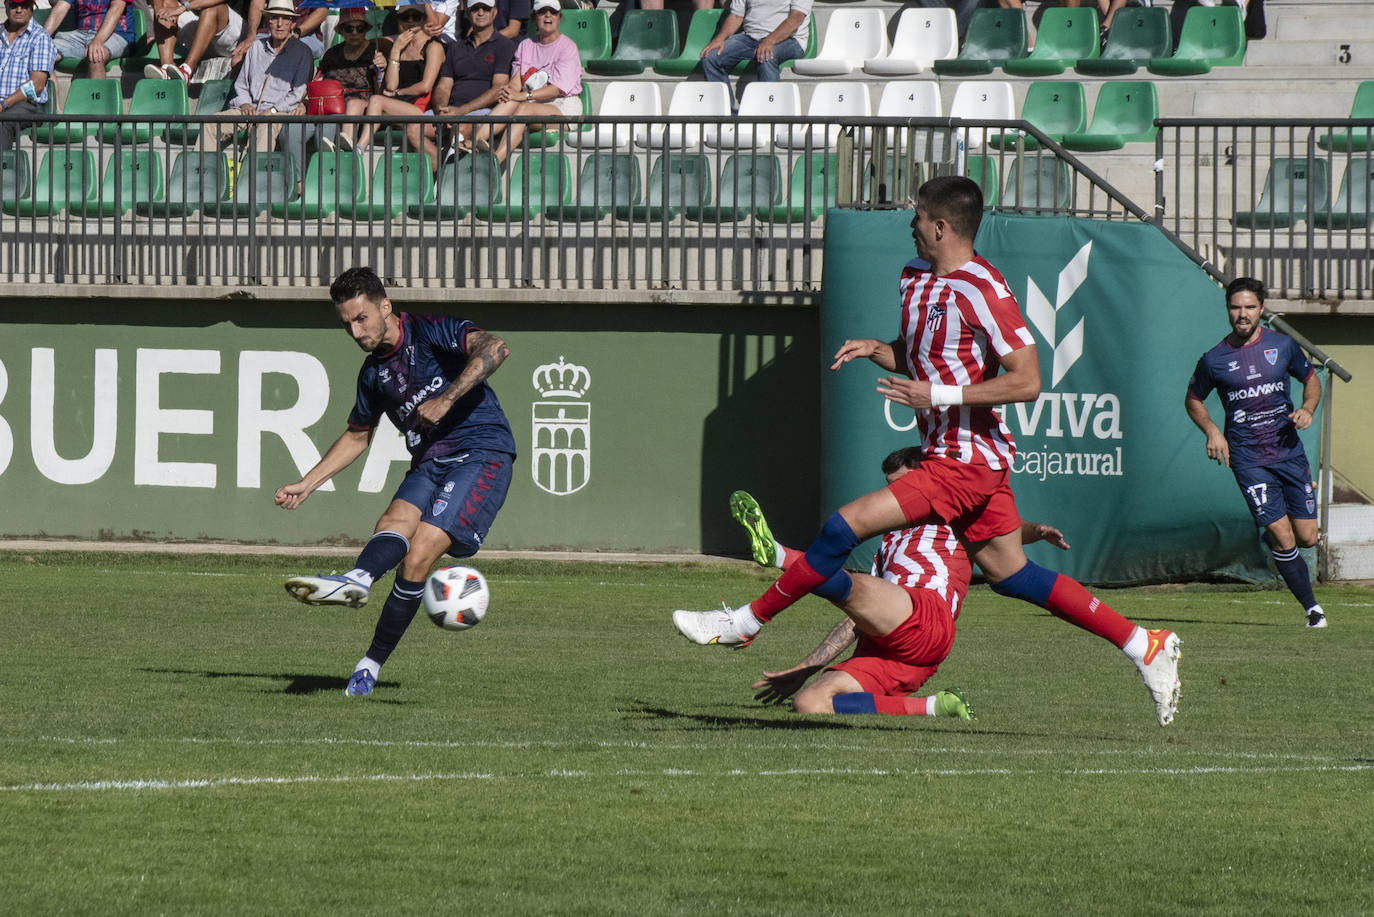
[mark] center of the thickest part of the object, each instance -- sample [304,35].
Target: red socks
[1070,601]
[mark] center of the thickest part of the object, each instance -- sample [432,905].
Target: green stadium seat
[213,99]
[1357,139]
[66,180]
[85,96]
[151,98]
[1351,210]
[1212,36]
[15,178]
[198,178]
[901,176]
[399,181]
[470,183]
[812,186]
[749,181]
[994,37]
[608,182]
[646,37]
[1038,183]
[1125,113]
[1288,187]
[539,179]
[678,182]
[1065,37]
[1137,36]
[261,180]
[131,176]
[331,179]
[1057,108]
[983,170]
[700,30]
[590,30]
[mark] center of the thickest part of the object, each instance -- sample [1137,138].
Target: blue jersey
[1252,382]
[430,355]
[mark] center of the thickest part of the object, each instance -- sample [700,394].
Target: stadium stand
[646,37]
[700,30]
[922,37]
[1289,187]
[1065,37]
[130,176]
[1125,113]
[1057,108]
[851,38]
[994,37]
[626,101]
[1354,140]
[1212,37]
[1136,37]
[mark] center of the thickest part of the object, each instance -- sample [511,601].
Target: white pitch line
[210,783]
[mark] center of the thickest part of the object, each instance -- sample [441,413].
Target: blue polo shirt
[471,67]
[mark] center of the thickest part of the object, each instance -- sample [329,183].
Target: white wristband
[943,395]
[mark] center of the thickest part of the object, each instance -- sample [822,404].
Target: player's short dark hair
[1245,285]
[907,457]
[357,281]
[956,200]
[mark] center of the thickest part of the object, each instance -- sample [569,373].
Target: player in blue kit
[1249,370]
[428,374]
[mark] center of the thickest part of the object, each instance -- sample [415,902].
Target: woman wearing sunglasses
[409,72]
[351,62]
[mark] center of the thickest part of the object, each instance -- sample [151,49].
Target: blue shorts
[73,43]
[1275,491]
[460,494]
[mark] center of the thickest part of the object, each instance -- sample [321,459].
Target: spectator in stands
[546,79]
[204,26]
[475,69]
[354,64]
[441,20]
[658,4]
[769,31]
[271,81]
[511,16]
[309,22]
[411,70]
[27,58]
[104,30]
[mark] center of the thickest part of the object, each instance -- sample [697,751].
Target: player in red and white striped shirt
[963,350]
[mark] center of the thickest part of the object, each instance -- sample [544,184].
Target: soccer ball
[456,598]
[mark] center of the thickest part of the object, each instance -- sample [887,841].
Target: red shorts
[900,662]
[974,500]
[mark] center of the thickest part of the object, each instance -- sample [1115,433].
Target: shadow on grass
[295,683]
[787,720]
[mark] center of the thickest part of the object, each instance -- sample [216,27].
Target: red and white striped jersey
[955,330]
[926,557]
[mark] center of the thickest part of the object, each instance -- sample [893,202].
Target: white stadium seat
[851,37]
[923,37]
[629,101]
[699,98]
[978,100]
[760,100]
[830,101]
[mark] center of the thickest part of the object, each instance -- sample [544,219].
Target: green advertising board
[1106,453]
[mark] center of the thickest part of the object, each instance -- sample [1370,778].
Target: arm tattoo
[834,643]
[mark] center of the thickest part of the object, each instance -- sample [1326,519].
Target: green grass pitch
[174,742]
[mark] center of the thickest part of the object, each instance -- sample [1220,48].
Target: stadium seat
[1357,139]
[85,96]
[554,136]
[1038,183]
[1212,36]
[465,185]
[1056,107]
[538,179]
[923,36]
[983,171]
[151,99]
[678,182]
[696,99]
[760,100]
[1351,210]
[628,101]
[830,101]
[748,182]
[197,178]
[700,30]
[1125,113]
[331,178]
[900,177]
[608,182]
[1137,36]
[590,30]
[66,179]
[994,36]
[1288,188]
[213,98]
[851,37]
[399,181]
[1065,37]
[259,181]
[14,176]
[990,100]
[811,187]
[131,176]
[646,37]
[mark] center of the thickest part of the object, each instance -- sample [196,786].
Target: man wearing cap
[767,31]
[27,56]
[307,28]
[104,29]
[475,67]
[272,79]
[208,28]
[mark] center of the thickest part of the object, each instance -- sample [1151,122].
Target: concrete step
[1350,541]
[1347,51]
[1315,23]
